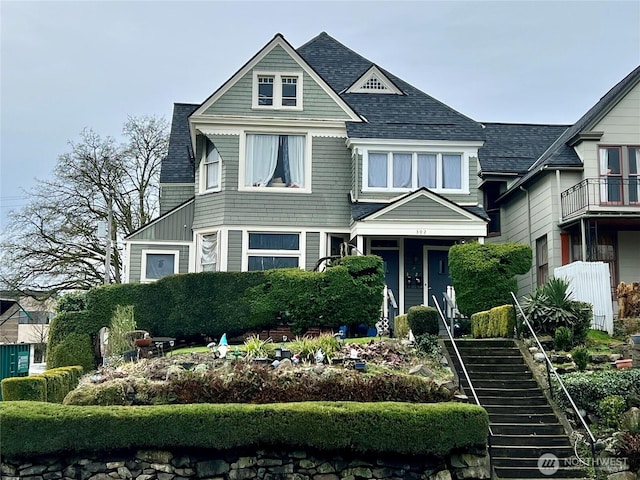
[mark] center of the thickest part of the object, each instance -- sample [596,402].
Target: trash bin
[14,361]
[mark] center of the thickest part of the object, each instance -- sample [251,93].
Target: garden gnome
[223,346]
[319,356]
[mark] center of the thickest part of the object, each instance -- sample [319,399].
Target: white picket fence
[590,282]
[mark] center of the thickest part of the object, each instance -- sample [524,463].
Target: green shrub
[550,306]
[497,322]
[401,329]
[580,357]
[254,348]
[587,389]
[610,409]
[563,339]
[423,320]
[75,349]
[308,346]
[24,388]
[30,428]
[428,344]
[72,302]
[484,274]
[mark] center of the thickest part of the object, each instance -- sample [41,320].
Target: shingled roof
[178,166]
[561,153]
[412,116]
[514,147]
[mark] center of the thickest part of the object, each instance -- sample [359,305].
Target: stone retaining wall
[239,465]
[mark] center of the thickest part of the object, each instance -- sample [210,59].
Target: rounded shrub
[401,326]
[563,339]
[610,409]
[423,320]
[580,357]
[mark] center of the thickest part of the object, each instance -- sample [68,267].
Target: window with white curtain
[209,252]
[210,168]
[275,161]
[273,250]
[412,170]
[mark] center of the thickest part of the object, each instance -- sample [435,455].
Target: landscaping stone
[441,475]
[538,357]
[422,370]
[326,476]
[623,476]
[600,358]
[211,468]
[560,358]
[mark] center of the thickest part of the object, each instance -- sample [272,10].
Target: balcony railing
[601,194]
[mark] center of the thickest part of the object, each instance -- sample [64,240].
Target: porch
[603,194]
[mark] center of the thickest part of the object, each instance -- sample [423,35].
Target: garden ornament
[319,356]
[223,346]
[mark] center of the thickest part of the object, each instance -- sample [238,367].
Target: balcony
[604,195]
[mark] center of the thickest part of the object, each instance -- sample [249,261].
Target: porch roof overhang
[422,213]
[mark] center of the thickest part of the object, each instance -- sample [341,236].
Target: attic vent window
[374,81]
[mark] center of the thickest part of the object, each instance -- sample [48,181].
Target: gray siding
[234,262]
[628,258]
[135,265]
[237,100]
[326,206]
[175,226]
[421,208]
[313,250]
[173,195]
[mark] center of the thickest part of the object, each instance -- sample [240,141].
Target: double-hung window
[634,174]
[276,161]
[277,91]
[611,175]
[411,170]
[210,169]
[273,250]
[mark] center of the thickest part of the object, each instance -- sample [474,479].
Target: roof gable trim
[374,81]
[280,41]
[161,217]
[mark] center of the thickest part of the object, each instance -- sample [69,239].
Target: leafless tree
[52,243]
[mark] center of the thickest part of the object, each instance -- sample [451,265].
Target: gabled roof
[160,218]
[178,166]
[412,116]
[278,40]
[365,210]
[561,153]
[514,147]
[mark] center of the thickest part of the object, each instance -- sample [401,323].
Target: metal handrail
[551,368]
[455,348]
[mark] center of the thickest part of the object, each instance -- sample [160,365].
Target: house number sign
[422,231]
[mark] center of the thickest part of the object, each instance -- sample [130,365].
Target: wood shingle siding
[172,195]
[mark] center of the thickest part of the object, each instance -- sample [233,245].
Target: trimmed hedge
[24,388]
[423,320]
[30,428]
[50,386]
[589,389]
[401,326]
[74,349]
[497,322]
[484,274]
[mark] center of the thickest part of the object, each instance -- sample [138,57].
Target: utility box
[14,361]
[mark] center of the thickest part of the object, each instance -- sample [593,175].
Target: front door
[391,262]
[437,274]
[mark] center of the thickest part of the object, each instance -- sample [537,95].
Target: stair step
[489,352]
[513,384]
[534,472]
[523,418]
[530,440]
[486,400]
[521,371]
[488,360]
[527,429]
[519,451]
[494,342]
[518,409]
[508,393]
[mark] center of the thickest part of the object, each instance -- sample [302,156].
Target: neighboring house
[25,319]
[304,149]
[576,197]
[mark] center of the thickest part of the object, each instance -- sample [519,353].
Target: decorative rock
[599,358]
[307,464]
[473,472]
[124,472]
[166,476]
[245,462]
[154,456]
[184,472]
[538,357]
[441,475]
[242,474]
[144,477]
[622,476]
[326,467]
[559,358]
[178,462]
[269,462]
[51,475]
[422,370]
[382,472]
[285,364]
[100,476]
[32,470]
[615,356]
[159,467]
[211,468]
[326,476]
[531,350]
[359,472]
[114,465]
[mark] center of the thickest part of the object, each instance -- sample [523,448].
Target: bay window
[412,170]
[273,250]
[275,161]
[210,169]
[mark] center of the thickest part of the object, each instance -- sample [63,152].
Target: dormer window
[374,81]
[277,91]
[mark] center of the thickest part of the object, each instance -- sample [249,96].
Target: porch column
[481,240]
[584,240]
[360,244]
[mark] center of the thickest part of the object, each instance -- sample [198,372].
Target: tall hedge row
[213,303]
[484,274]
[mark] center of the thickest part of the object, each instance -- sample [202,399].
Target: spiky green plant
[123,321]
[254,347]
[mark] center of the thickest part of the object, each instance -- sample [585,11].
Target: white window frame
[439,152]
[243,162]
[300,254]
[203,171]
[277,90]
[143,263]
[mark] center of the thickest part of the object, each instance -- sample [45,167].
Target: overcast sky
[69,65]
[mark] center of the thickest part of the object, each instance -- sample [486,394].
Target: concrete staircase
[523,423]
